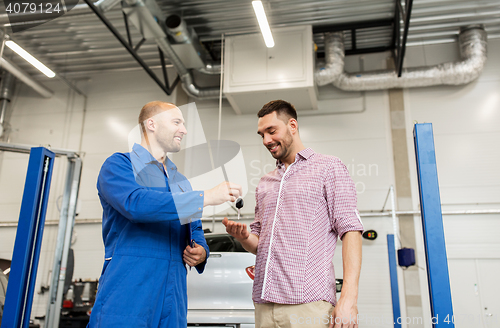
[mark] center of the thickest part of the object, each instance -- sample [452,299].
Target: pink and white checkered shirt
[300,212]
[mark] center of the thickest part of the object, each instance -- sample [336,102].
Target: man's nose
[183,130]
[267,140]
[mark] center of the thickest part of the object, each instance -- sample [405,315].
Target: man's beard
[169,144]
[284,147]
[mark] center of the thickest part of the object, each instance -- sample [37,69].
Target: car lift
[21,286]
[438,276]
[432,221]
[29,234]
[393,266]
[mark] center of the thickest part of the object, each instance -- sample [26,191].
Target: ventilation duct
[472,43]
[177,29]
[185,37]
[104,5]
[210,67]
[6,91]
[149,20]
[186,78]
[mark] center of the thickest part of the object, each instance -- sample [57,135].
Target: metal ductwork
[6,92]
[182,35]
[210,67]
[186,78]
[177,29]
[24,77]
[472,42]
[104,5]
[150,21]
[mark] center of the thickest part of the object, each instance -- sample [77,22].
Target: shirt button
[201,195]
[199,208]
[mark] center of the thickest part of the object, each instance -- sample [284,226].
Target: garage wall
[97,128]
[466,123]
[467,135]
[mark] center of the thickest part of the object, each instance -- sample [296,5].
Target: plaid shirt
[299,214]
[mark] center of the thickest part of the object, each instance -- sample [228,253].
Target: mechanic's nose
[183,129]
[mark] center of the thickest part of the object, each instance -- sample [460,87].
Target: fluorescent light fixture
[29,58]
[264,25]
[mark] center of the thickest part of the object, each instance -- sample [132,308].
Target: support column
[411,278]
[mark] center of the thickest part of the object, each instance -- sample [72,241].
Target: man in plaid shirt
[302,207]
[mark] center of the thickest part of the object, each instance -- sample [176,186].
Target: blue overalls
[143,281]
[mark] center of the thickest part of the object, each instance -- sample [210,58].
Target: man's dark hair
[283,109]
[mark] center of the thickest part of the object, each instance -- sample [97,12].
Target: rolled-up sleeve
[341,199]
[255,226]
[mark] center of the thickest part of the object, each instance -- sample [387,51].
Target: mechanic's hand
[224,192]
[345,314]
[194,255]
[236,229]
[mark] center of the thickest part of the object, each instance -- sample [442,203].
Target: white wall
[97,130]
[467,135]
[466,123]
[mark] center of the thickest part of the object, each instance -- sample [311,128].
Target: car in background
[222,295]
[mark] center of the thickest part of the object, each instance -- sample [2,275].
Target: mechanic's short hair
[151,109]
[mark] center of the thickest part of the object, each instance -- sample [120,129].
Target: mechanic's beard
[169,146]
[175,148]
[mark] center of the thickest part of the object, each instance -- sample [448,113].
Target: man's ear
[294,125]
[150,124]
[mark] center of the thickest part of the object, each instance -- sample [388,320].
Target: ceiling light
[29,58]
[264,25]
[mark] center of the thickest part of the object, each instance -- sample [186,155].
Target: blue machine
[396,309]
[432,221]
[19,297]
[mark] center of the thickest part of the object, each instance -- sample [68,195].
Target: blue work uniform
[143,281]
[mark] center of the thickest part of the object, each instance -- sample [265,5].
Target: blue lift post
[432,221]
[393,266]
[21,286]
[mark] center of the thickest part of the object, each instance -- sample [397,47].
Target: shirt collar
[170,165]
[145,156]
[305,154]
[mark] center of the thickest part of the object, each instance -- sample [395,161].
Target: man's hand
[239,231]
[194,256]
[224,192]
[236,229]
[345,315]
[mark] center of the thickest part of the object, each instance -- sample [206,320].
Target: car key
[239,205]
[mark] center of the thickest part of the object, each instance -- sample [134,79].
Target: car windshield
[223,243]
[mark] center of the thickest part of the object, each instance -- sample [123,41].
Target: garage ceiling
[78,44]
